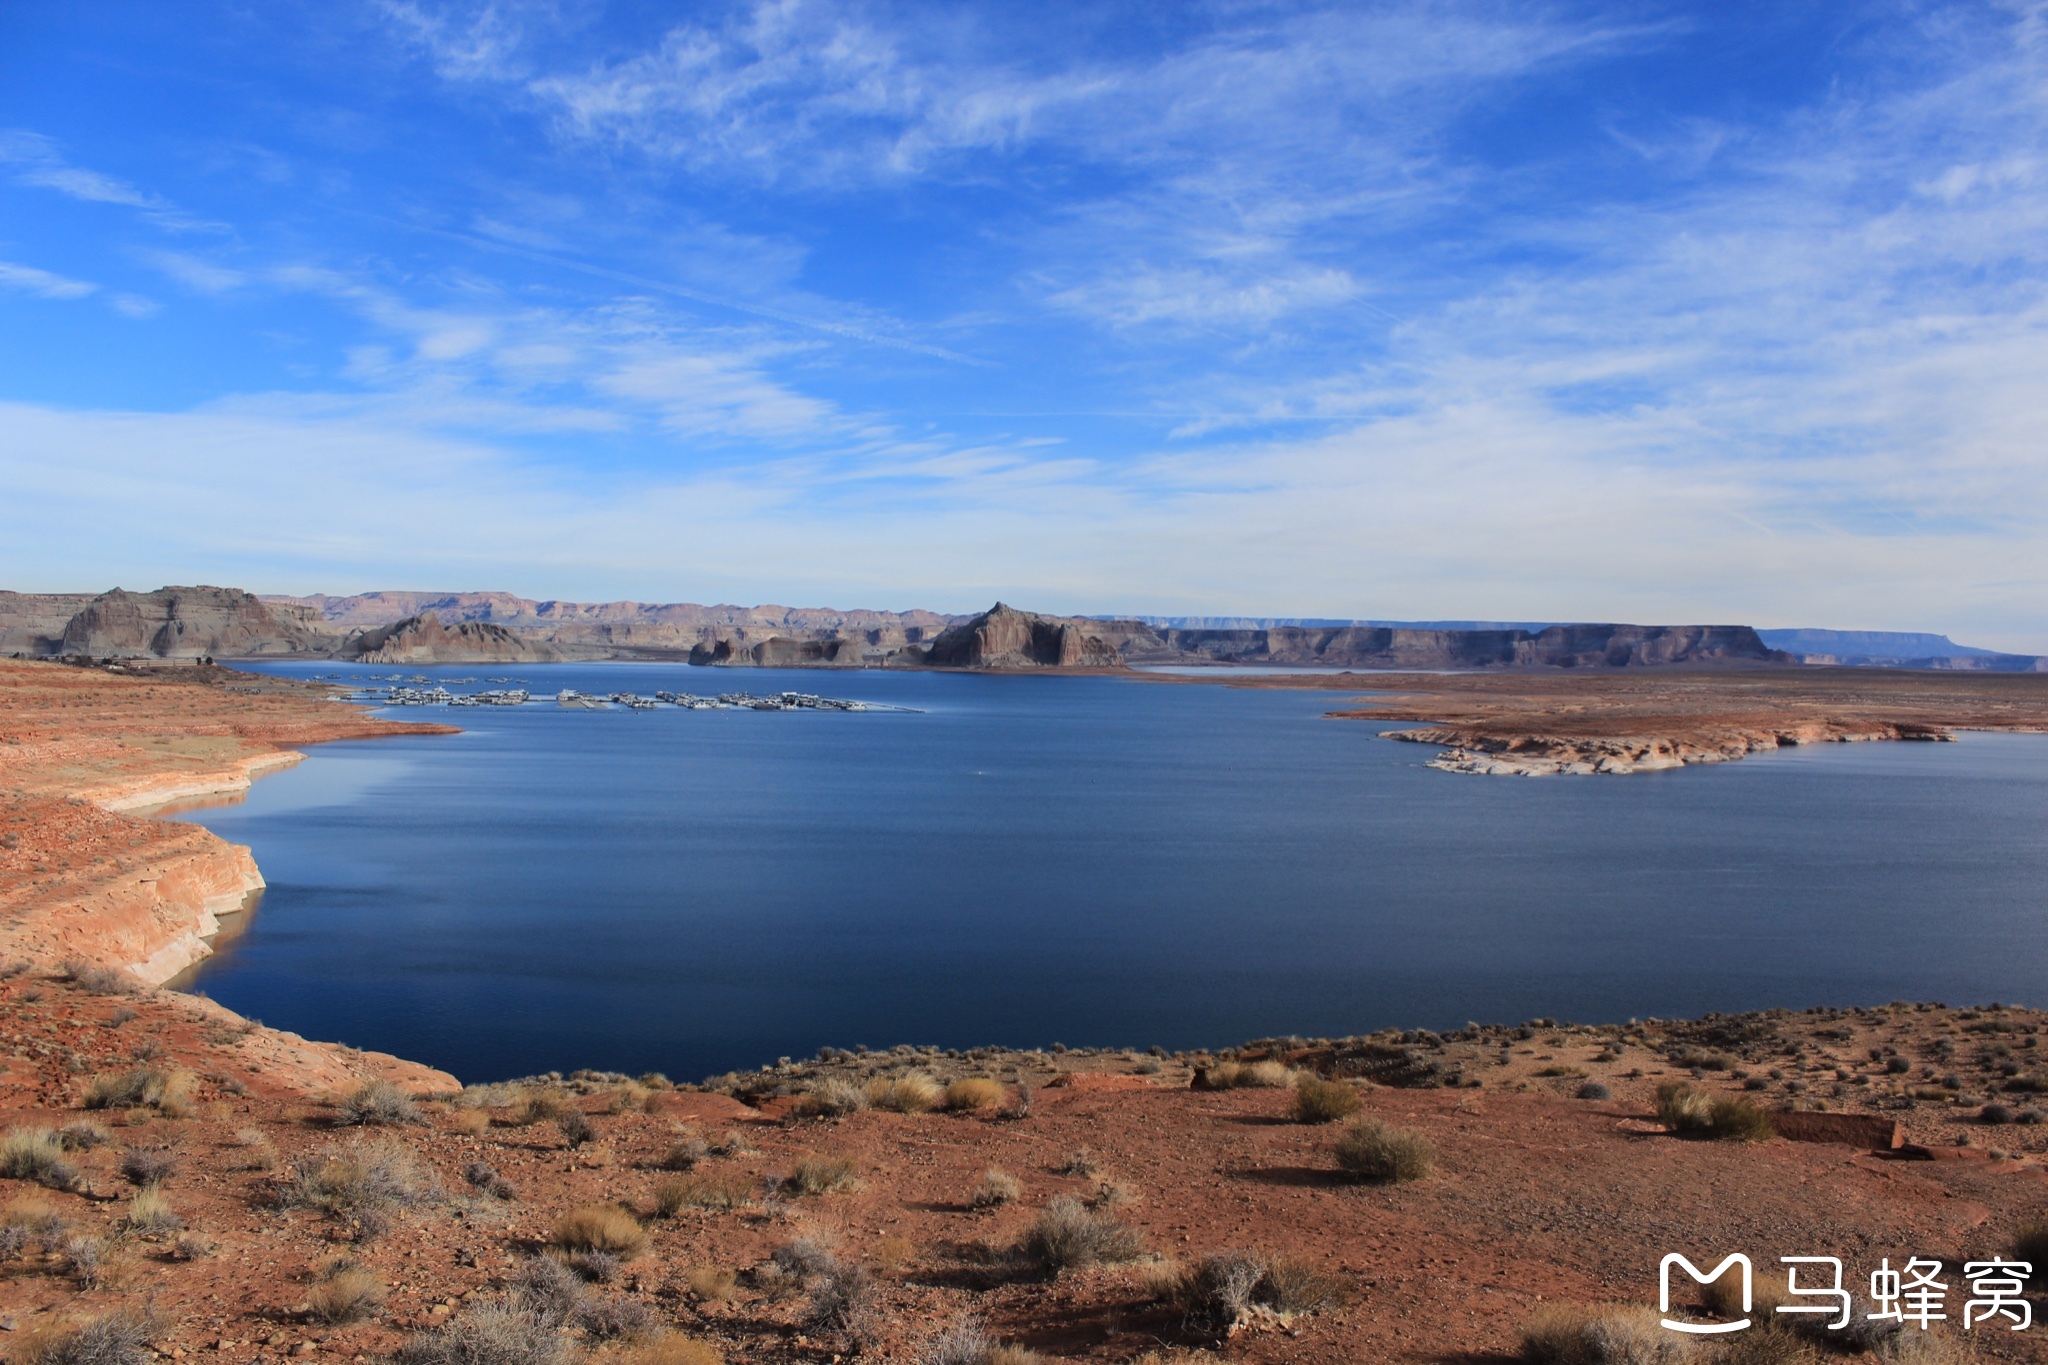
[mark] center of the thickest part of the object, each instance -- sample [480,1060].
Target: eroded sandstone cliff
[84,879]
[424,639]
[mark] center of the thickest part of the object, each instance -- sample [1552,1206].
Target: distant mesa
[495,627]
[1003,637]
[170,623]
[423,639]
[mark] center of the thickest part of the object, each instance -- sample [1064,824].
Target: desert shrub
[257,1152]
[483,1178]
[148,1165]
[491,1334]
[361,1186]
[575,1125]
[1733,1119]
[32,1218]
[96,1261]
[1295,1284]
[596,1267]
[1593,1090]
[1922,1348]
[1369,1150]
[547,1291]
[1224,1075]
[118,1338]
[97,980]
[834,1097]
[732,1142]
[915,1093]
[1068,1235]
[150,1211]
[1217,1292]
[2030,1244]
[600,1227]
[997,1187]
[685,1152]
[83,1136]
[701,1190]
[800,1258]
[538,1106]
[975,1092]
[711,1284]
[470,1122]
[670,1350]
[816,1174]
[843,1300]
[36,1154]
[1995,1114]
[630,1098]
[378,1102]
[619,1320]
[350,1295]
[1319,1101]
[150,1086]
[1267,1075]
[1572,1334]
[1082,1164]
[966,1342]
[1684,1108]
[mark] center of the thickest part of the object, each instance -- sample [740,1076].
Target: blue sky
[1715,311]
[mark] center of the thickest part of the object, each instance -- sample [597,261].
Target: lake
[1029,860]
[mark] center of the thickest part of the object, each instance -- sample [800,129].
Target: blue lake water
[1081,860]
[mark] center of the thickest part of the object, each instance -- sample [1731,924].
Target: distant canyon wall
[419,628]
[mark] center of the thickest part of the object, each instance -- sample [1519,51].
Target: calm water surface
[1081,860]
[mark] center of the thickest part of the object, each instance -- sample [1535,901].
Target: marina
[408,691]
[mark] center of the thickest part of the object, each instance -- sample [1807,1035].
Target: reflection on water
[1085,860]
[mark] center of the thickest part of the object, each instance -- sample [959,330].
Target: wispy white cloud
[42,283]
[39,163]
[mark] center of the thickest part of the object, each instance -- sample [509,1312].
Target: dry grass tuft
[493,1334]
[816,1174]
[712,1284]
[600,1227]
[701,1190]
[915,1093]
[150,1212]
[1220,1291]
[470,1122]
[360,1186]
[148,1165]
[1319,1101]
[97,980]
[1610,1334]
[975,1092]
[834,1097]
[349,1295]
[144,1087]
[1369,1150]
[36,1154]
[966,1342]
[117,1338]
[685,1152]
[538,1106]
[2030,1244]
[377,1103]
[997,1187]
[1068,1235]
[670,1350]
[1685,1108]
